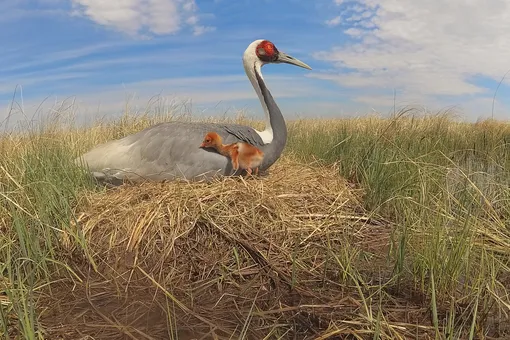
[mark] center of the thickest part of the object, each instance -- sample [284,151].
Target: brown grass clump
[270,257]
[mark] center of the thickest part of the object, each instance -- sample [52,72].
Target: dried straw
[239,257]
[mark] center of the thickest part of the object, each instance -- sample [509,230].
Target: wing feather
[169,150]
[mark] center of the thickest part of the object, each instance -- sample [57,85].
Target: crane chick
[242,154]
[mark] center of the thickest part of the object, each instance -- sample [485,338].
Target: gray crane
[171,150]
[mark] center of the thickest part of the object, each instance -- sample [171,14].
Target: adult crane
[171,150]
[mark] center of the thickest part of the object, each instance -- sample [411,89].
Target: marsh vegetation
[377,228]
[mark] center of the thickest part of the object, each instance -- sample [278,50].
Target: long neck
[220,147]
[275,122]
[225,150]
[251,66]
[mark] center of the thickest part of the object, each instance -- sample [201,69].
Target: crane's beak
[285,58]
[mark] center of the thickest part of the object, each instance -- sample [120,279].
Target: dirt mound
[268,257]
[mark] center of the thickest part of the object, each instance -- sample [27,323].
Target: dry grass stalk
[206,258]
[292,255]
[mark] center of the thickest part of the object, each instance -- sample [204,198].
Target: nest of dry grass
[261,258]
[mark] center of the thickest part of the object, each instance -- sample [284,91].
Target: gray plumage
[171,150]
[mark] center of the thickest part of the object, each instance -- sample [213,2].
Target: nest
[240,257]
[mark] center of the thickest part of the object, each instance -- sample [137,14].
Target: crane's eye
[266,51]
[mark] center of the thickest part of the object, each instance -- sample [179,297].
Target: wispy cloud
[60,56]
[30,9]
[208,95]
[334,22]
[423,49]
[134,16]
[434,54]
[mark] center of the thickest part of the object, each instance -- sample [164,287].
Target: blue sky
[99,53]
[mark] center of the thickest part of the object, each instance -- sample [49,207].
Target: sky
[366,56]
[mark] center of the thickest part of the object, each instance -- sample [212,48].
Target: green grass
[446,187]
[441,186]
[39,186]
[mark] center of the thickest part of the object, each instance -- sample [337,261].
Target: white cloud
[192,20]
[203,90]
[189,5]
[482,108]
[58,56]
[24,10]
[426,48]
[355,32]
[377,101]
[209,95]
[9,84]
[199,29]
[334,22]
[132,16]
